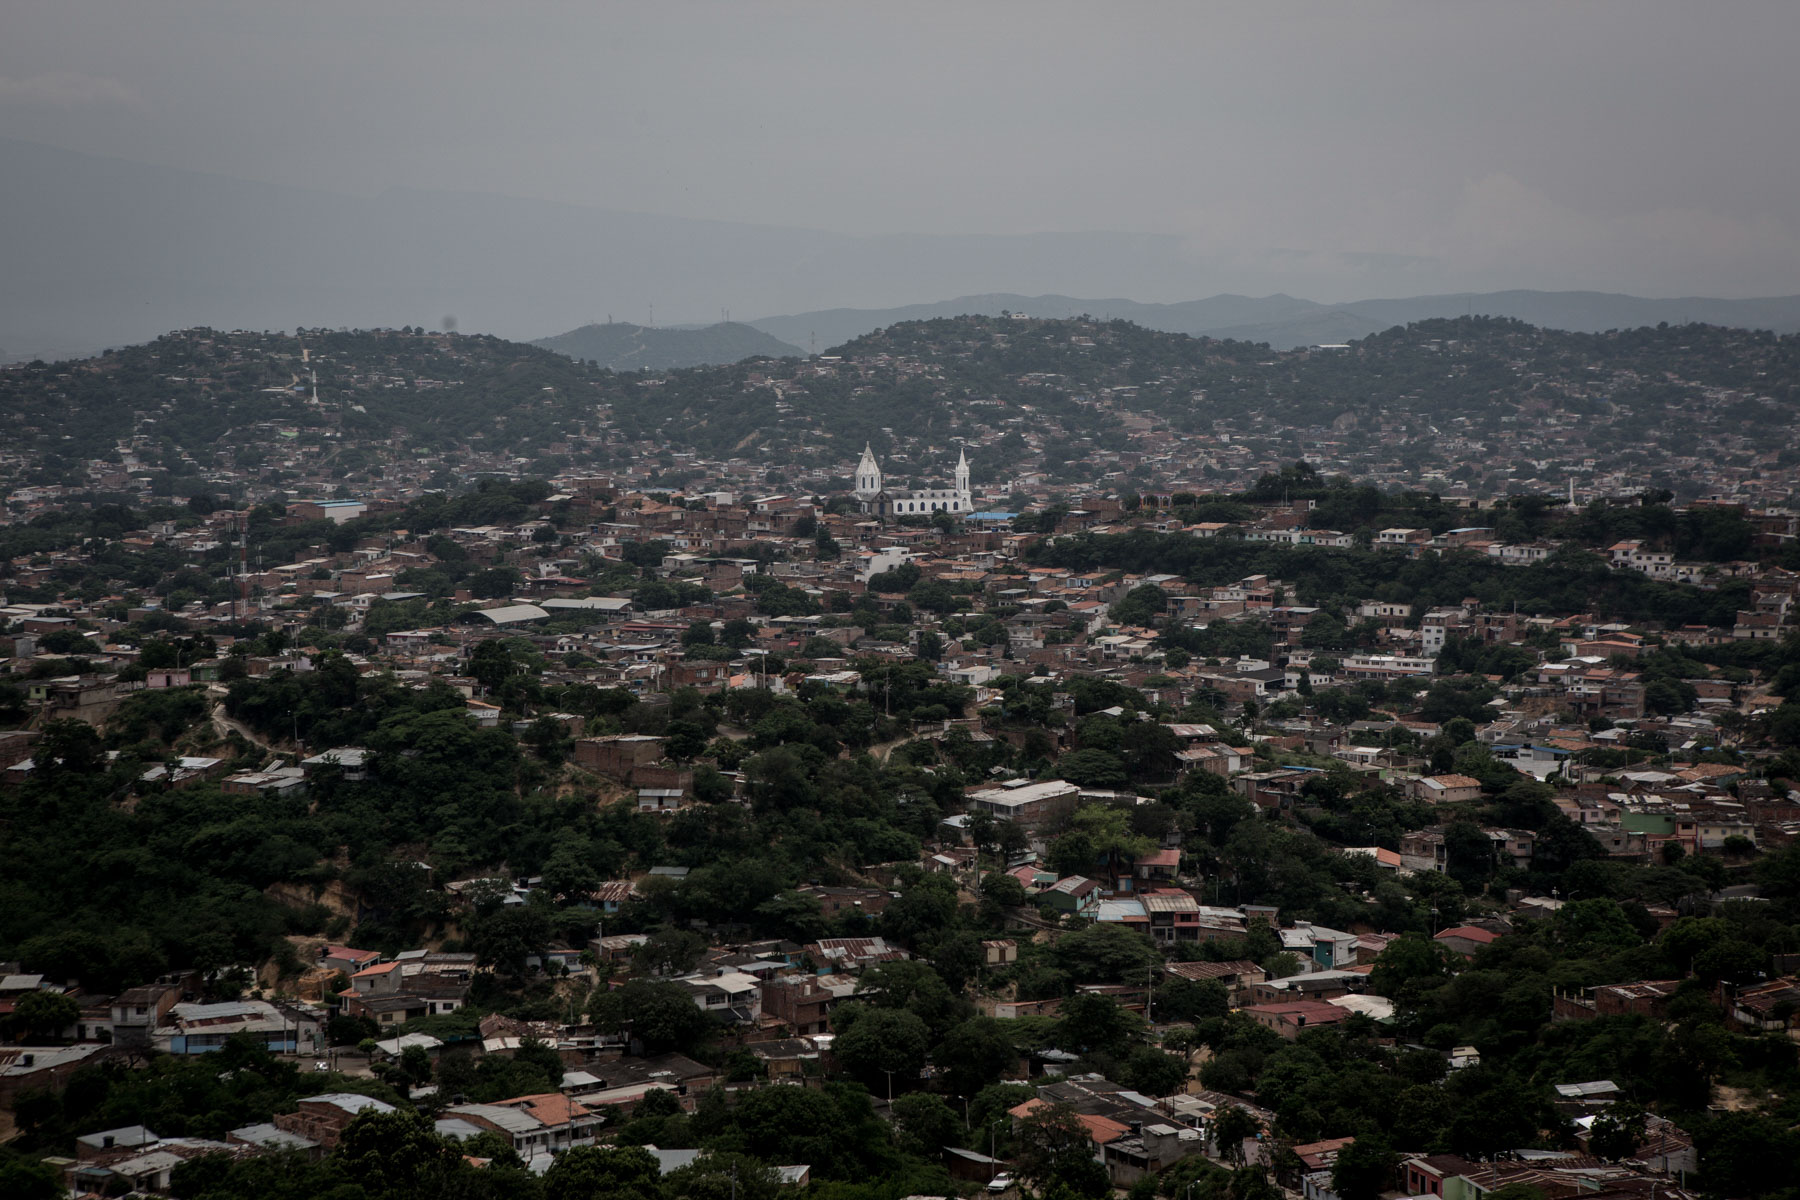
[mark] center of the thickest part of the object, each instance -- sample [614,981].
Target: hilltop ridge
[1288,322]
[1487,405]
[625,347]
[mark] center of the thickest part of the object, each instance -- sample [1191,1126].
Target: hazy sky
[1632,146]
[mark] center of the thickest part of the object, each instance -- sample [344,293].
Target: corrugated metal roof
[512,614]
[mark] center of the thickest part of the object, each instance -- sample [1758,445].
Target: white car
[1000,1183]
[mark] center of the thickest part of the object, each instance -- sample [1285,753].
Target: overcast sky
[1634,146]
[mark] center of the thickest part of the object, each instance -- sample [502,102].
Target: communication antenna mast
[243,561]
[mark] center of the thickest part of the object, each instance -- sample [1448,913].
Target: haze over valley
[792,600]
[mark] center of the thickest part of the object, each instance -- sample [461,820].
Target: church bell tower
[868,476]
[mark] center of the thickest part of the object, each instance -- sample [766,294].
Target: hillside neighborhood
[1229,821]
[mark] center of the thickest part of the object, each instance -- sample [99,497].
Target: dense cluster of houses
[1572,719]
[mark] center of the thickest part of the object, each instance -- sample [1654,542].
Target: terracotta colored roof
[1321,1154]
[1101,1129]
[550,1108]
[1302,1012]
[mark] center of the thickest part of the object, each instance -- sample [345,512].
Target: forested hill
[1053,396]
[625,347]
[966,375]
[195,388]
[1287,322]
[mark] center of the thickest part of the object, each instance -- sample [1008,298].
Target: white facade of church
[880,501]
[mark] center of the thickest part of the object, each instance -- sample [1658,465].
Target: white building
[879,500]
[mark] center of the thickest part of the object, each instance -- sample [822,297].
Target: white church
[880,501]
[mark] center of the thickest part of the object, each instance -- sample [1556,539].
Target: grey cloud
[1332,151]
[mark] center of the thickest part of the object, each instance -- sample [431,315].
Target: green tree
[494,583]
[1092,768]
[926,1124]
[1003,889]
[415,1064]
[1149,748]
[834,1128]
[397,1154]
[568,873]
[976,1054]
[40,1014]
[1409,968]
[1594,927]
[656,1013]
[1746,1154]
[1109,835]
[1191,1000]
[1153,1072]
[1141,605]
[1055,1149]
[1618,1132]
[884,1045]
[1106,953]
[1364,1169]
[506,937]
[1088,1021]
[491,664]
[543,1057]
[67,747]
[22,1179]
[1230,1127]
[602,1173]
[724,1175]
[1468,853]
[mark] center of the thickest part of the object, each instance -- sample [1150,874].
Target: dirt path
[225,726]
[881,750]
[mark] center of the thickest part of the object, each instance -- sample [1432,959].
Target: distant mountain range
[99,252]
[625,347]
[1286,322]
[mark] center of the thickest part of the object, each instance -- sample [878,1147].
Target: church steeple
[962,475]
[868,475]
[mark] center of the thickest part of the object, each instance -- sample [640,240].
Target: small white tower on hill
[962,478]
